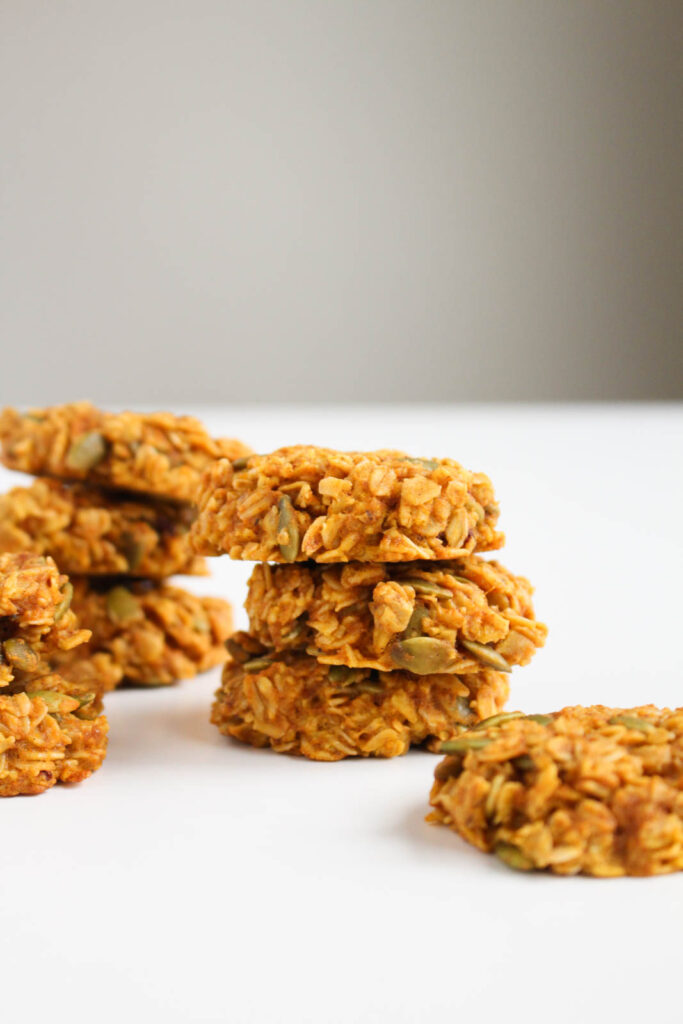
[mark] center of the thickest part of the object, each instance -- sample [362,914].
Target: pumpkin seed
[257,664]
[287,523]
[86,451]
[56,701]
[463,744]
[239,464]
[539,719]
[425,587]
[430,464]
[64,605]
[486,655]
[342,674]
[422,655]
[415,623]
[132,550]
[122,605]
[235,649]
[631,722]
[457,528]
[492,720]
[513,856]
[21,655]
[523,763]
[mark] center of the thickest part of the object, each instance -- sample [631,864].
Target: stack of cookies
[51,728]
[373,625]
[113,506]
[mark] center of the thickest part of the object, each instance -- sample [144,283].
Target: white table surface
[194,879]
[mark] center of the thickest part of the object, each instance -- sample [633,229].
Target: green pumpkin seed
[631,722]
[465,743]
[539,719]
[415,623]
[257,664]
[486,655]
[513,856]
[492,720]
[239,464]
[523,763]
[430,464]
[55,701]
[122,605]
[21,655]
[425,587]
[64,605]
[287,523]
[457,528]
[422,655]
[86,451]
[237,652]
[131,550]
[343,675]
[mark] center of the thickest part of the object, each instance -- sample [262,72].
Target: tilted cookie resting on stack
[113,507]
[51,728]
[380,628]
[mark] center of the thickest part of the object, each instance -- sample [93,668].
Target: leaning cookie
[36,618]
[588,789]
[424,617]
[92,532]
[151,633]
[312,503]
[298,706]
[154,453]
[51,730]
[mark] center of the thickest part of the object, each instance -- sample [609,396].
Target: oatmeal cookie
[153,453]
[51,730]
[36,619]
[425,617]
[298,706]
[91,532]
[153,633]
[595,790]
[305,503]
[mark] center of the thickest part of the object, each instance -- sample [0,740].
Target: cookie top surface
[153,453]
[586,789]
[306,503]
[425,617]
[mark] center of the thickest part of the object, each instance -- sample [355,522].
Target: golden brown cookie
[154,453]
[51,730]
[91,532]
[153,633]
[298,706]
[36,619]
[595,790]
[423,617]
[306,503]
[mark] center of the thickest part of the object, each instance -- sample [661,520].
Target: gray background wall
[212,200]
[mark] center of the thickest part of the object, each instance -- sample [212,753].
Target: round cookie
[92,532]
[154,453]
[151,633]
[51,730]
[36,618]
[304,503]
[298,706]
[595,790]
[423,617]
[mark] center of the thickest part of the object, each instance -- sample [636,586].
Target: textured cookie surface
[150,633]
[51,730]
[304,503]
[298,706]
[154,453]
[90,531]
[425,617]
[588,789]
[36,618]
